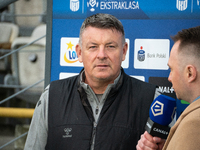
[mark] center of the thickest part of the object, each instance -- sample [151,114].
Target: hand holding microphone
[161,114]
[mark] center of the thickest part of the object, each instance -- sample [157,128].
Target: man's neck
[98,87]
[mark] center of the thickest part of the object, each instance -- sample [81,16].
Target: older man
[102,108]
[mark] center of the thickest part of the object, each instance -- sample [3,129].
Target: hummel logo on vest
[67,133]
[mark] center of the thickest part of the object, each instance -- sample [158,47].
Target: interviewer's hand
[148,142]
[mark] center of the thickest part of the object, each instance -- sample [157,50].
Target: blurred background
[22,63]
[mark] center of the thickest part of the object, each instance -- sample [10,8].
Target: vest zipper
[93,135]
[97,110]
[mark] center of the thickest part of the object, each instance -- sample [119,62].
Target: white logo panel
[151,54]
[125,63]
[64,75]
[68,56]
[142,78]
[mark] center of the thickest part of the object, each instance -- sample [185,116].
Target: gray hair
[102,21]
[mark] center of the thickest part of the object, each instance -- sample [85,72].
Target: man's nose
[102,52]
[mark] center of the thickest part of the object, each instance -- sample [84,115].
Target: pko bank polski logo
[68,56]
[151,54]
[141,54]
[157,108]
[74,5]
[181,5]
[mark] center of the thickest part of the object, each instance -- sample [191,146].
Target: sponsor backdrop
[148,26]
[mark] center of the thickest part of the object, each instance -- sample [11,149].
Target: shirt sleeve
[37,134]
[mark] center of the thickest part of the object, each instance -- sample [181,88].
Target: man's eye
[92,47]
[110,46]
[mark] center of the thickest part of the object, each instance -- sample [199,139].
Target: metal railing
[3,146]
[10,15]
[12,112]
[23,90]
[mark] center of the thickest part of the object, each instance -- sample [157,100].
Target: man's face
[101,52]
[176,73]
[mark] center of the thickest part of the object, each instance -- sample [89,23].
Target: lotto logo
[68,56]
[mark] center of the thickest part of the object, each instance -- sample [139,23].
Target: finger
[146,142]
[148,136]
[158,140]
[138,147]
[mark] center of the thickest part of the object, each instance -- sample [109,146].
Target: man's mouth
[102,66]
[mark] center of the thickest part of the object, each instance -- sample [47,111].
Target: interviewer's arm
[187,133]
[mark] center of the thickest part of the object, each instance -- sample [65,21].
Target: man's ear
[191,73]
[79,53]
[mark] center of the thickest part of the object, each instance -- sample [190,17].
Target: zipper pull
[92,142]
[97,110]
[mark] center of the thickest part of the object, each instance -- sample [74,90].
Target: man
[102,108]
[184,63]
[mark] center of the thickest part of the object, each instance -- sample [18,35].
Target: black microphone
[161,114]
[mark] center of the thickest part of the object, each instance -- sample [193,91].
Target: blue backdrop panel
[134,29]
[148,26]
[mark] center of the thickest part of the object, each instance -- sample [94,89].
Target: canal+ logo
[68,56]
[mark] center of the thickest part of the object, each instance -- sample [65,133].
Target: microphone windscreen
[162,110]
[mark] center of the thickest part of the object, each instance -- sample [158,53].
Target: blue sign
[128,9]
[148,26]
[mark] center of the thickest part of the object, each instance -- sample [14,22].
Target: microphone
[161,114]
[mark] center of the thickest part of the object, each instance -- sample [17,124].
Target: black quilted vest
[122,119]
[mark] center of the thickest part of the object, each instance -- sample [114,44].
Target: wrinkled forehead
[102,28]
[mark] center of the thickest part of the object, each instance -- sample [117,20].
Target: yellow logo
[72,56]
